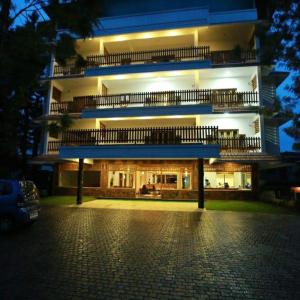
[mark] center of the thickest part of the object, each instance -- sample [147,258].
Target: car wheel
[6,224]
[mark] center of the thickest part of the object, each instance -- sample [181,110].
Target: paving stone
[74,253]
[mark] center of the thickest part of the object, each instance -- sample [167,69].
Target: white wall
[149,85]
[76,91]
[242,84]
[84,124]
[221,45]
[138,123]
[242,122]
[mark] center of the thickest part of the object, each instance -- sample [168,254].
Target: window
[254,83]
[164,178]
[256,126]
[5,188]
[121,179]
[246,181]
[56,94]
[186,181]
[163,181]
[171,179]
[228,180]
[230,133]
[90,178]
[225,180]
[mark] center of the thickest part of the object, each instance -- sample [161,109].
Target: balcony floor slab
[147,111]
[141,151]
[151,67]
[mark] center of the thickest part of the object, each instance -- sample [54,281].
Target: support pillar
[200,183]
[255,179]
[196,38]
[101,47]
[79,181]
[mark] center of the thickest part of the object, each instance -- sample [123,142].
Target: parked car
[19,203]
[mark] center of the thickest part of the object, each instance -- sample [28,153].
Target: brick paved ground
[118,254]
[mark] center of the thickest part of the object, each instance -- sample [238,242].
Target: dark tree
[281,45]
[25,52]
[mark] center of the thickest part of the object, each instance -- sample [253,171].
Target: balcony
[201,135]
[175,55]
[219,99]
[147,136]
[240,145]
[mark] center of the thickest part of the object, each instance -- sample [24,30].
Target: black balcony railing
[53,146]
[242,144]
[151,136]
[159,56]
[233,57]
[155,136]
[68,70]
[217,98]
[155,56]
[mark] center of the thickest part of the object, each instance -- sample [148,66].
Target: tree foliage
[25,51]
[281,45]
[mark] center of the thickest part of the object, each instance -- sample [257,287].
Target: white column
[197,79]
[47,112]
[101,47]
[196,38]
[261,116]
[179,180]
[52,63]
[99,86]
[48,100]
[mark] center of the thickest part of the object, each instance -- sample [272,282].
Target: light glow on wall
[147,118]
[176,117]
[147,75]
[157,75]
[148,35]
[161,84]
[119,38]
[120,77]
[174,33]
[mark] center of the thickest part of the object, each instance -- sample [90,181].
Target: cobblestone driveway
[83,253]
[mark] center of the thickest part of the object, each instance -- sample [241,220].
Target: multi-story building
[168,103]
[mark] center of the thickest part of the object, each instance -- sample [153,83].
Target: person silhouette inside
[144,190]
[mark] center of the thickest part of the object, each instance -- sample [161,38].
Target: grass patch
[63,200]
[248,206]
[220,205]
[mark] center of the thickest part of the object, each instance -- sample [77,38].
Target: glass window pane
[171,179]
[68,178]
[121,179]
[91,179]
[186,181]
